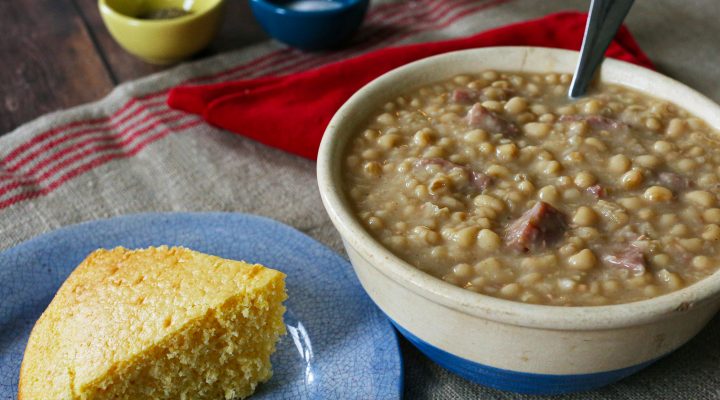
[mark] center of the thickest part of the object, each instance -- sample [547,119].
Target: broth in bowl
[497,183]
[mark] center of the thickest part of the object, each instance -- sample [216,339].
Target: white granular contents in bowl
[497,183]
[312,5]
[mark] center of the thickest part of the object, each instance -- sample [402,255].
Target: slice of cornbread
[158,323]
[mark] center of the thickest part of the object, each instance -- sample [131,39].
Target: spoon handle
[602,24]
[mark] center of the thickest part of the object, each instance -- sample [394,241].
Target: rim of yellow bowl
[107,9]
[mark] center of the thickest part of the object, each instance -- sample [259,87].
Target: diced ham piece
[631,258]
[481,117]
[596,122]
[675,182]
[477,179]
[538,227]
[597,191]
[462,95]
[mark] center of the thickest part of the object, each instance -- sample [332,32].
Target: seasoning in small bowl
[165,13]
[312,5]
[162,31]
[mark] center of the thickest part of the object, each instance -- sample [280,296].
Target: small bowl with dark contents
[310,24]
[162,31]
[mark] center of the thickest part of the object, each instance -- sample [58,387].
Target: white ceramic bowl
[500,343]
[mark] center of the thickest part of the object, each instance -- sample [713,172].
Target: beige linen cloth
[149,158]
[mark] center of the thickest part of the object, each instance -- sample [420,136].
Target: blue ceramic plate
[339,345]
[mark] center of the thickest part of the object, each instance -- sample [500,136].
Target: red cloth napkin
[291,112]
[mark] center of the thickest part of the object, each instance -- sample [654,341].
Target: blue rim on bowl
[519,382]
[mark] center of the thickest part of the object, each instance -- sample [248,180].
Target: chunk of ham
[538,227]
[462,95]
[596,122]
[631,258]
[673,181]
[481,117]
[478,180]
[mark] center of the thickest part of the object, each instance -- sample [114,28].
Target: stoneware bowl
[163,41]
[310,24]
[499,343]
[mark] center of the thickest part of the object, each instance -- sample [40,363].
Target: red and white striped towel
[50,158]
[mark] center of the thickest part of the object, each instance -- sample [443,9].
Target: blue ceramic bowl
[310,26]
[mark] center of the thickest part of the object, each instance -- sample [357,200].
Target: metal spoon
[604,20]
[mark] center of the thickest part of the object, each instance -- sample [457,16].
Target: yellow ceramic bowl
[161,41]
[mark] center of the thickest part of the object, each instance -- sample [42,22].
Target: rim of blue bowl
[275,8]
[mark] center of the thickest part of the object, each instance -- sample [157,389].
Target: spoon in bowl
[604,20]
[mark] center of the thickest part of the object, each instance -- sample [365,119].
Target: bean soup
[499,184]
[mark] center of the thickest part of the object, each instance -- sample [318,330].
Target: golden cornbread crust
[157,323]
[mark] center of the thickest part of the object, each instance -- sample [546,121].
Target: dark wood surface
[57,54]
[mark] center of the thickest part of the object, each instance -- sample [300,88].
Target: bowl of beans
[521,239]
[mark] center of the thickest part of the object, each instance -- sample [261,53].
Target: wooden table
[57,54]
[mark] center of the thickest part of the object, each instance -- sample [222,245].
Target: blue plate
[339,345]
